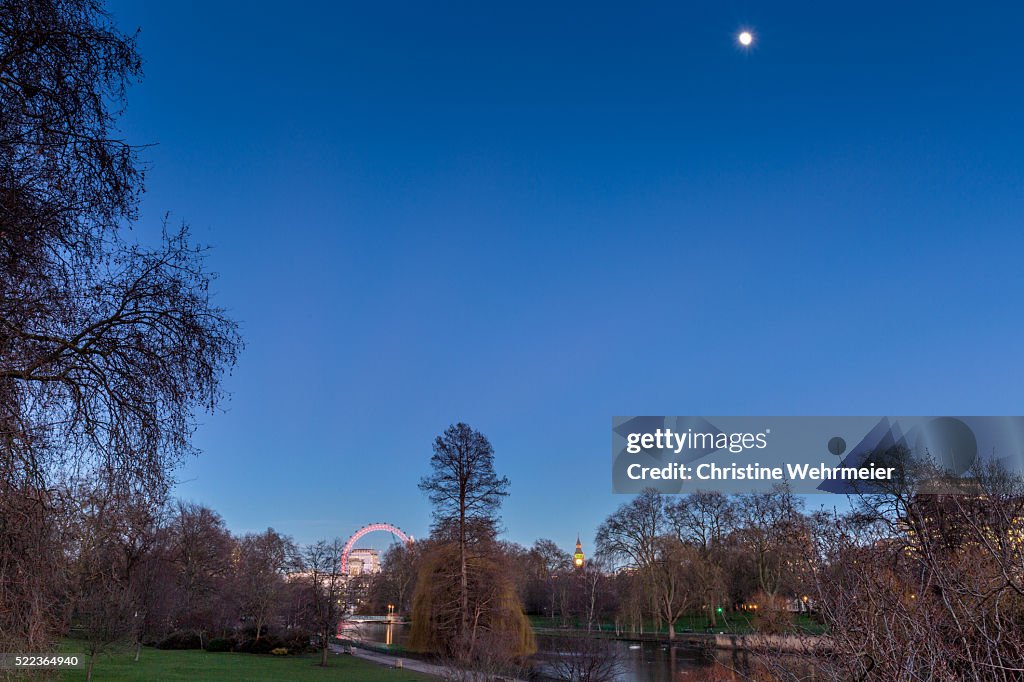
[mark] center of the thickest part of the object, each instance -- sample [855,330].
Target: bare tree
[262,560]
[104,547]
[914,585]
[105,605]
[155,577]
[550,563]
[596,583]
[674,580]
[34,572]
[106,348]
[772,532]
[321,564]
[704,520]
[630,534]
[201,552]
[466,494]
[395,582]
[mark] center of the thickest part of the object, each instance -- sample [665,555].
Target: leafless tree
[396,580]
[201,552]
[262,560]
[157,586]
[917,585]
[105,605]
[34,571]
[631,594]
[106,347]
[321,563]
[466,494]
[630,534]
[674,583]
[631,537]
[595,583]
[771,533]
[550,565]
[704,520]
[109,538]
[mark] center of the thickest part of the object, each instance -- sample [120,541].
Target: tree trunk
[138,649]
[88,672]
[464,589]
[463,576]
[323,654]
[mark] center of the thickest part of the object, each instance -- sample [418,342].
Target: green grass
[155,664]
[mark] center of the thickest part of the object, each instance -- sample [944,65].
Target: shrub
[297,642]
[279,651]
[249,632]
[263,645]
[220,644]
[181,640]
[294,642]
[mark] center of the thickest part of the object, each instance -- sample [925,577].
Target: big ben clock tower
[578,558]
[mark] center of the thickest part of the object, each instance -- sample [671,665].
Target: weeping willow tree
[497,628]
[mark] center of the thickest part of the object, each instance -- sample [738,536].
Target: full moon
[745,38]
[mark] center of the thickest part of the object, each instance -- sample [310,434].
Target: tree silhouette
[107,348]
[466,494]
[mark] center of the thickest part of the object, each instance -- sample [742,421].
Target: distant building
[363,562]
[577,557]
[963,516]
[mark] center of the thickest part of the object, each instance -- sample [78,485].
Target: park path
[390,661]
[415,665]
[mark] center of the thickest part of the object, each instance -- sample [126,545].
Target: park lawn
[198,665]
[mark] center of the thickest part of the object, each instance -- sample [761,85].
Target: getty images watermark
[843,455]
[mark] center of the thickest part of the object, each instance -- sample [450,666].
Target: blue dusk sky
[534,216]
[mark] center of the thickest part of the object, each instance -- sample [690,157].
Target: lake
[641,661]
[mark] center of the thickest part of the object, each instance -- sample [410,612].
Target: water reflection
[387,635]
[644,661]
[641,661]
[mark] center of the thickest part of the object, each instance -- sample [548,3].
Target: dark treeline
[174,576]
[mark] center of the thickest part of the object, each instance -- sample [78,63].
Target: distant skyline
[531,218]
